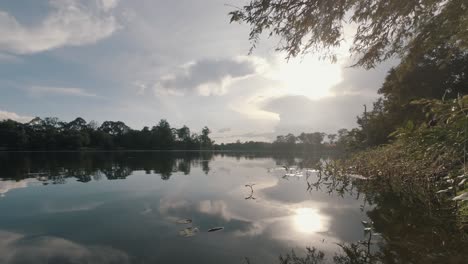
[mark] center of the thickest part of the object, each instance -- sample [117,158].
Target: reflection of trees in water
[353,253]
[410,229]
[51,167]
[403,227]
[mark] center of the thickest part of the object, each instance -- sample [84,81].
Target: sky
[141,61]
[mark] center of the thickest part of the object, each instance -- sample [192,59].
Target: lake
[190,207]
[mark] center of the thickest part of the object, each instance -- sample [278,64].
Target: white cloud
[108,4]
[224,130]
[301,114]
[4,115]
[71,91]
[356,81]
[71,23]
[206,77]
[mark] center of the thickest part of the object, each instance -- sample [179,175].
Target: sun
[308,76]
[308,221]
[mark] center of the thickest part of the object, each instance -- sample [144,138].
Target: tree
[78,124]
[205,140]
[441,73]
[12,135]
[331,138]
[315,138]
[385,28]
[114,128]
[163,136]
[52,134]
[183,134]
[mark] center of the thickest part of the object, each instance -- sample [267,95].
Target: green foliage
[205,141]
[313,256]
[423,158]
[385,28]
[440,74]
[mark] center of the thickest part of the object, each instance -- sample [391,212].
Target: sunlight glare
[308,76]
[308,221]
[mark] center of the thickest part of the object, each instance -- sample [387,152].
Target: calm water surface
[129,207]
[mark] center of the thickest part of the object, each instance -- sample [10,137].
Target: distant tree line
[52,134]
[303,143]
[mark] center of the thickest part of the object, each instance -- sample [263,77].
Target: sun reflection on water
[308,221]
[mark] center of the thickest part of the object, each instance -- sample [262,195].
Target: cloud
[206,77]
[108,4]
[254,136]
[41,90]
[224,130]
[359,81]
[17,248]
[301,114]
[4,115]
[71,23]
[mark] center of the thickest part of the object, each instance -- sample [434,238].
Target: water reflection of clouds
[167,204]
[283,215]
[267,215]
[67,208]
[218,208]
[6,186]
[19,249]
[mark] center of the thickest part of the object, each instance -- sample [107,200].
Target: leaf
[214,229]
[184,221]
[462,182]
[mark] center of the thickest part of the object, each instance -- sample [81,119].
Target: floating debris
[184,221]
[214,229]
[357,176]
[442,191]
[450,181]
[297,174]
[188,232]
[277,169]
[367,229]
[251,192]
[42,178]
[462,182]
[461,176]
[461,197]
